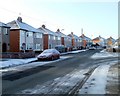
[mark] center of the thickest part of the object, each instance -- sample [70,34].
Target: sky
[95,17]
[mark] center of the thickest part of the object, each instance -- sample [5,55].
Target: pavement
[113,82]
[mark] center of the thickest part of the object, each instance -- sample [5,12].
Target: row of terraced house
[17,36]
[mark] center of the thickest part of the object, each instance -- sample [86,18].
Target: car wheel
[58,57]
[52,58]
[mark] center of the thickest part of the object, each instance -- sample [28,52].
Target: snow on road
[104,54]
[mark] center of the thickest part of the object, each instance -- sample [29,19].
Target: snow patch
[15,62]
[97,82]
[104,54]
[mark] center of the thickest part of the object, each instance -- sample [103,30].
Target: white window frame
[5,31]
[29,46]
[37,46]
[37,35]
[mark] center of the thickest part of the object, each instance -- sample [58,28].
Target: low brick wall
[17,55]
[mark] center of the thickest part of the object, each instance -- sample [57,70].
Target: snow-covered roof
[85,37]
[21,25]
[99,38]
[110,38]
[74,36]
[47,31]
[63,35]
[3,25]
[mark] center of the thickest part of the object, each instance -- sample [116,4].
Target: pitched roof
[85,37]
[21,25]
[3,25]
[99,38]
[63,35]
[47,31]
[74,36]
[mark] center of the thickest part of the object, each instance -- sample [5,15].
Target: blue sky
[96,18]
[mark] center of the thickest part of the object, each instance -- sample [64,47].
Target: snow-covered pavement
[19,66]
[97,82]
[16,62]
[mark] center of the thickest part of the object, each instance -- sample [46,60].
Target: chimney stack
[72,33]
[19,19]
[58,30]
[43,26]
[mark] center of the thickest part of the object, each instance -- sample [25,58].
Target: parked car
[49,54]
[61,48]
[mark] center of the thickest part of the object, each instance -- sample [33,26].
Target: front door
[4,47]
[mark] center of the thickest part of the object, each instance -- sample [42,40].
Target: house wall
[22,40]
[38,42]
[14,40]
[68,42]
[4,39]
[58,40]
[45,41]
[0,39]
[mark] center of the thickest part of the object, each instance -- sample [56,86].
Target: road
[41,74]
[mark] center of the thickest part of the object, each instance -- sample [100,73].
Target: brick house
[24,37]
[4,37]
[110,41]
[100,41]
[65,40]
[86,41]
[50,38]
[75,41]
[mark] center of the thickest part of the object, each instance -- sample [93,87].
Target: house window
[59,38]
[50,37]
[38,46]
[23,33]
[38,35]
[29,34]
[29,46]
[53,37]
[5,31]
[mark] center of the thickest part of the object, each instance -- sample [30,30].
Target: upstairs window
[59,38]
[5,31]
[38,35]
[29,34]
[53,37]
